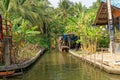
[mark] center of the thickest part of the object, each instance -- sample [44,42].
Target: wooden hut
[102,15]
[102,19]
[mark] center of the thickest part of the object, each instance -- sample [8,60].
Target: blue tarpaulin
[65,37]
[74,38]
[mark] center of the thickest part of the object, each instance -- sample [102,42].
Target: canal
[63,66]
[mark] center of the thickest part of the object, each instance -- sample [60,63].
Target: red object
[6,73]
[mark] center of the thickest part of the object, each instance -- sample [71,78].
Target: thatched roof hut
[102,15]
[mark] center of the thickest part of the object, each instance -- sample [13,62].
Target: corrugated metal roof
[115,3]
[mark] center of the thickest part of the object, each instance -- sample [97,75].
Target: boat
[64,48]
[6,73]
[63,43]
[68,41]
[24,64]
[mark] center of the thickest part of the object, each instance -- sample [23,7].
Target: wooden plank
[102,19]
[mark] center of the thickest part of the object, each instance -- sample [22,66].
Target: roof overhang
[102,15]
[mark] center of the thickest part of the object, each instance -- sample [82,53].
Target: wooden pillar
[119,24]
[1,32]
[69,41]
[7,52]
[111,28]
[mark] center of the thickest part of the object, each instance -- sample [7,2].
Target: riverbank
[103,60]
[23,65]
[27,52]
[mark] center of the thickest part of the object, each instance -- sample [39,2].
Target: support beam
[104,19]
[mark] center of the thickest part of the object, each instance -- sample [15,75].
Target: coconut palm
[64,7]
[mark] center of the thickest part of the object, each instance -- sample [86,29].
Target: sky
[87,3]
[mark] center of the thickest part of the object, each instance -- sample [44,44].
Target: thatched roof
[102,15]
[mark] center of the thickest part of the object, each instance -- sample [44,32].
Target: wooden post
[111,28]
[119,24]
[1,30]
[7,52]
[69,41]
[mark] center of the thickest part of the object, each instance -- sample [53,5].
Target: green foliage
[34,21]
[44,43]
[23,32]
[103,42]
[72,25]
[6,3]
[90,37]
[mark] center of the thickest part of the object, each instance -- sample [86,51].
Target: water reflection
[63,66]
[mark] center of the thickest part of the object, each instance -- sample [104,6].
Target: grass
[27,52]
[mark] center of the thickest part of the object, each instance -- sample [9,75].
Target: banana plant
[23,33]
[88,34]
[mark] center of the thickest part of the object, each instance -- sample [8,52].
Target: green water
[63,66]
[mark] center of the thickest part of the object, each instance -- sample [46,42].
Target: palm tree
[35,11]
[76,9]
[65,6]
